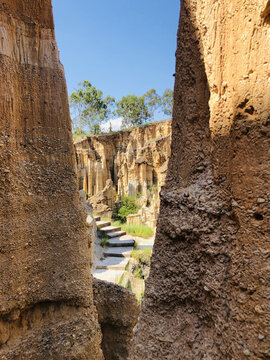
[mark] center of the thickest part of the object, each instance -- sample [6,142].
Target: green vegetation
[133,110]
[104,241]
[106,219]
[89,109]
[128,285]
[137,110]
[124,207]
[121,280]
[143,258]
[152,188]
[139,194]
[167,102]
[153,140]
[139,230]
[140,298]
[152,101]
[104,237]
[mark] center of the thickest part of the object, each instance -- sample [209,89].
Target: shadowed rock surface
[207,296]
[118,312]
[46,307]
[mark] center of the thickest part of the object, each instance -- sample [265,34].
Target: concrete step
[109,229]
[113,276]
[121,241]
[116,234]
[113,263]
[102,224]
[97,218]
[118,251]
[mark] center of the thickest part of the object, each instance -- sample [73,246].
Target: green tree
[167,102]
[152,101]
[124,207]
[88,107]
[133,110]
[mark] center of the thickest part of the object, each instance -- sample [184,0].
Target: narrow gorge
[126,163]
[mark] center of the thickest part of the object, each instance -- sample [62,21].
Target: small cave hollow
[258,217]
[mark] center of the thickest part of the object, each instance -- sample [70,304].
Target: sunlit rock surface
[46,304]
[132,163]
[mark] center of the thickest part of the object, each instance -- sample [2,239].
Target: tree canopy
[89,108]
[133,110]
[152,101]
[167,102]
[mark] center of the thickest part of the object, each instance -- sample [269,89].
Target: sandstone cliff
[46,304]
[132,162]
[207,296]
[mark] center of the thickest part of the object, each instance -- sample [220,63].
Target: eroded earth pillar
[207,296]
[46,305]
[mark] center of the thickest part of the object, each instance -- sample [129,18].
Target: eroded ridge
[46,304]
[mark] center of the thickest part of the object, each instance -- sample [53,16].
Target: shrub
[152,188]
[142,258]
[125,207]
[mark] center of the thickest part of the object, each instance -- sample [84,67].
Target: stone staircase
[117,252]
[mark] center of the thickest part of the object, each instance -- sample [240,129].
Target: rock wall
[207,296]
[46,304]
[118,312]
[130,163]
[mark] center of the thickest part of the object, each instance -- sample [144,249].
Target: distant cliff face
[207,296]
[132,163]
[46,304]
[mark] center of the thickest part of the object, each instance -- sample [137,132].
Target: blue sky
[121,46]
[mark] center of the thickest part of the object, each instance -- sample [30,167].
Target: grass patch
[139,230]
[128,285]
[104,237]
[106,219]
[138,273]
[140,298]
[142,256]
[104,241]
[153,139]
[121,280]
